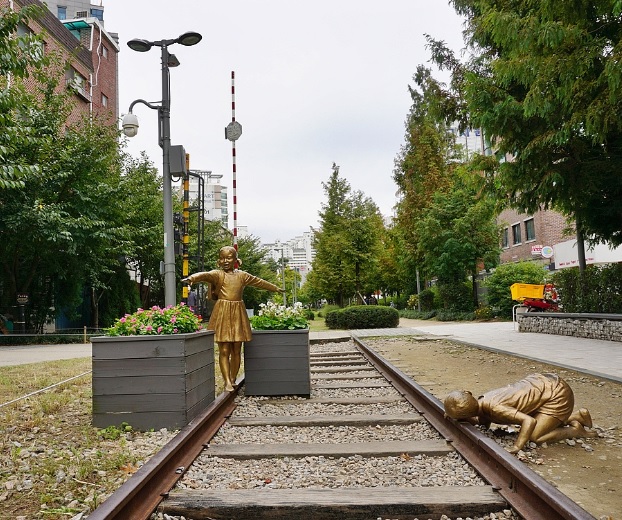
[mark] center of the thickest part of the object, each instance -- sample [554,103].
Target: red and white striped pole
[233,132]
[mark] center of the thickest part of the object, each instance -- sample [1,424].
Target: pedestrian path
[596,357]
[591,356]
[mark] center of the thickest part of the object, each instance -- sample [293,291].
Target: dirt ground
[589,471]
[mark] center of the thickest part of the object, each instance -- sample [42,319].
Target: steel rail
[140,495]
[530,495]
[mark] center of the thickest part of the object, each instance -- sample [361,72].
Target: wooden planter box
[152,382]
[276,362]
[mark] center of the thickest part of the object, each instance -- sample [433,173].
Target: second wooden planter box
[276,362]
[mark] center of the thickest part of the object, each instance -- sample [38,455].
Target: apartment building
[298,253]
[91,53]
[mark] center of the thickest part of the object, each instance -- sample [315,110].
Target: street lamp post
[130,128]
[283,273]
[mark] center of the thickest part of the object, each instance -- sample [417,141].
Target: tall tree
[347,243]
[423,166]
[20,55]
[458,237]
[545,83]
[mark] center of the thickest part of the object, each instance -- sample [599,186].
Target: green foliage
[113,433]
[456,297]
[363,317]
[417,315]
[347,243]
[453,315]
[326,309]
[484,312]
[427,299]
[545,86]
[499,282]
[171,320]
[598,289]
[279,317]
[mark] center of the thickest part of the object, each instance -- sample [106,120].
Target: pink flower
[175,330]
[149,328]
[173,319]
[160,329]
[122,320]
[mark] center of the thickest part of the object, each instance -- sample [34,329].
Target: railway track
[370,443]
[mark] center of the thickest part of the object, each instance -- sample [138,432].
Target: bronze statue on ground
[229,319]
[542,404]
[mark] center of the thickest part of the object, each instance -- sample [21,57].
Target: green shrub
[499,295]
[427,299]
[484,312]
[417,315]
[326,309]
[457,297]
[363,317]
[309,314]
[601,293]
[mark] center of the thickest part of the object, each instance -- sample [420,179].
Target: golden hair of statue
[542,404]
[229,319]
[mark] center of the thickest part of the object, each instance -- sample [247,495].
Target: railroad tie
[388,399]
[340,385]
[326,420]
[350,503]
[337,376]
[324,370]
[429,447]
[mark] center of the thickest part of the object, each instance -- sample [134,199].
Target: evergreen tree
[545,83]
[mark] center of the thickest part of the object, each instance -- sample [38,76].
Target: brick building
[524,235]
[90,53]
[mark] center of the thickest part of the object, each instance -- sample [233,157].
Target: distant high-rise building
[207,184]
[298,253]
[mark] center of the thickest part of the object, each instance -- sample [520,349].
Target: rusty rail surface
[139,496]
[530,495]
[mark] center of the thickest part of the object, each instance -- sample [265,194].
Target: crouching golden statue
[542,404]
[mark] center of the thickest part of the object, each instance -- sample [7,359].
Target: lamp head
[130,125]
[140,45]
[189,38]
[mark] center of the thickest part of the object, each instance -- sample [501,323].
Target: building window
[530,230]
[78,83]
[105,51]
[98,13]
[505,238]
[29,40]
[61,12]
[516,238]
[104,100]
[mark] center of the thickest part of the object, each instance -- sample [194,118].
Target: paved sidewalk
[596,357]
[591,356]
[25,354]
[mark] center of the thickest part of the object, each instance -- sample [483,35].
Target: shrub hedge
[363,317]
[599,290]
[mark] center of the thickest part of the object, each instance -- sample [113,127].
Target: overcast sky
[315,83]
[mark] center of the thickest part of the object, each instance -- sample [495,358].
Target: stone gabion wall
[595,328]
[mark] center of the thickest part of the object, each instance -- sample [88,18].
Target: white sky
[315,83]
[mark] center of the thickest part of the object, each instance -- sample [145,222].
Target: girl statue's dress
[229,319]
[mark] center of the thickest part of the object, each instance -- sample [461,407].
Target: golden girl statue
[229,319]
[542,404]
